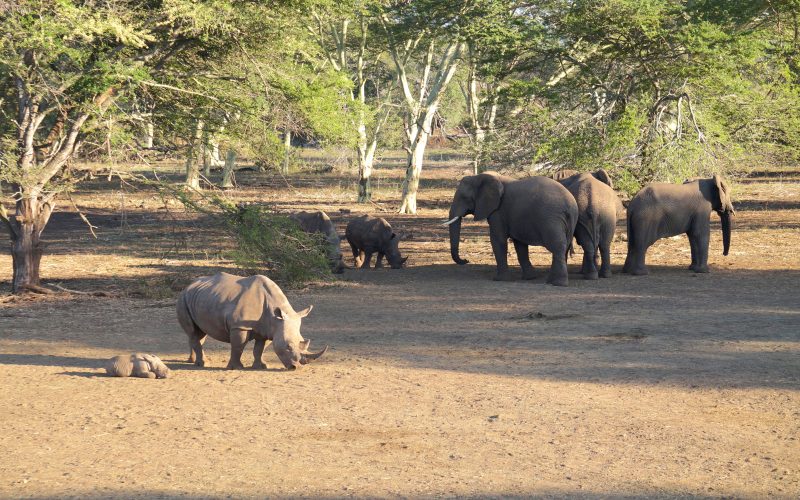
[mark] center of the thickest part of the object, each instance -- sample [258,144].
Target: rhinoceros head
[289,345]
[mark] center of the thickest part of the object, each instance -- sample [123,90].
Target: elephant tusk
[451,221]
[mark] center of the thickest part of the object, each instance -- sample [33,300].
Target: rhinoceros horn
[311,356]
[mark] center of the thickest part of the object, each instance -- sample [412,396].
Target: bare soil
[439,381]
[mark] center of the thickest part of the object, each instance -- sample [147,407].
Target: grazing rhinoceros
[368,235]
[319,222]
[236,310]
[137,365]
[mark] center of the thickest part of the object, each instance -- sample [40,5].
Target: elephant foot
[529,274]
[605,273]
[260,365]
[234,365]
[504,276]
[700,269]
[558,281]
[643,271]
[590,275]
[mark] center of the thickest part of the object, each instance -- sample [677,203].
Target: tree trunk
[192,165]
[287,146]
[25,229]
[480,138]
[416,155]
[227,170]
[366,156]
[149,132]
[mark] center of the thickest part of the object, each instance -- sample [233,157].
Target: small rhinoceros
[368,235]
[236,310]
[137,365]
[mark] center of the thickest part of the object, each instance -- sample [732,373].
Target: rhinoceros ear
[304,312]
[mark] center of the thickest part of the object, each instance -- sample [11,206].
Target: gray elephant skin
[236,310]
[318,222]
[531,211]
[137,365]
[663,210]
[599,207]
[368,235]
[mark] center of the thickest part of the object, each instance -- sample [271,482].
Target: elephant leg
[638,267]
[523,257]
[589,265]
[142,370]
[500,248]
[367,259]
[701,236]
[379,260]
[258,351]
[693,247]
[558,268]
[239,340]
[606,237]
[638,243]
[605,253]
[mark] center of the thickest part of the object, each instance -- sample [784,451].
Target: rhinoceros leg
[239,339]
[258,351]
[196,336]
[196,354]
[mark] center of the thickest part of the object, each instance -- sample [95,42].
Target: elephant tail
[592,225]
[569,229]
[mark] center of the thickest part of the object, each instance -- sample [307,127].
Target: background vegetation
[647,89]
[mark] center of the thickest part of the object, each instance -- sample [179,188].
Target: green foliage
[653,90]
[266,242]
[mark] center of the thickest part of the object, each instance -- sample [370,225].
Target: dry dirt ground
[439,381]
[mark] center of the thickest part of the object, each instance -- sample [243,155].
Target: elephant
[235,310]
[318,222]
[599,207]
[368,235]
[530,211]
[137,365]
[663,210]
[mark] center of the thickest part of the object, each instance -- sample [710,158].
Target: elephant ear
[724,191]
[602,176]
[488,196]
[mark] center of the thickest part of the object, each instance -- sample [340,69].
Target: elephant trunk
[455,236]
[725,217]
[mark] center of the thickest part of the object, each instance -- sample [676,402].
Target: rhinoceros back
[222,302]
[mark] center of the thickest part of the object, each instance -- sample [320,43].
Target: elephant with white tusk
[236,310]
[663,210]
[531,211]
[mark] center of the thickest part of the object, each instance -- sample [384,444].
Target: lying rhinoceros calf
[236,310]
[137,365]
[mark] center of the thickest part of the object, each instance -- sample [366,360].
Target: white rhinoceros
[235,310]
[137,365]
